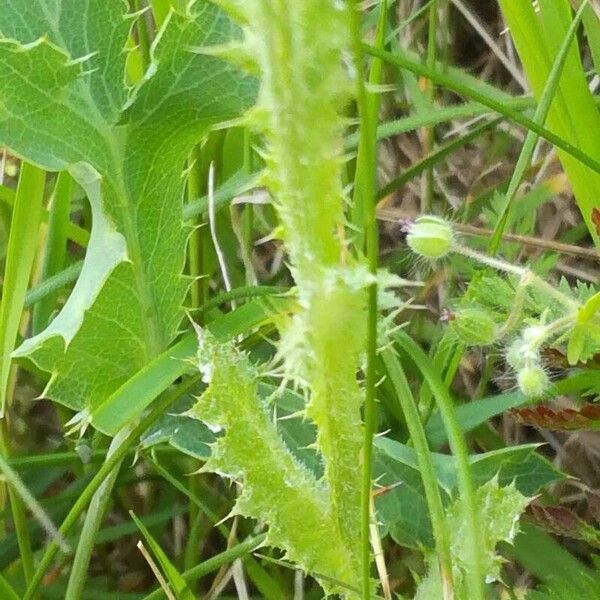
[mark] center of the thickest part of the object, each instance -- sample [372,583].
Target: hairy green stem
[299,111]
[528,276]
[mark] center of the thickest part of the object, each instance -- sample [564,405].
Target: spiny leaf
[84,29]
[500,508]
[562,419]
[62,106]
[402,509]
[275,487]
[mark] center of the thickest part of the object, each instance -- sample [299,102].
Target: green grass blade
[458,445]
[365,197]
[367,140]
[7,591]
[477,412]
[212,564]
[541,113]
[101,475]
[436,156]
[56,246]
[546,559]
[75,233]
[130,400]
[466,110]
[426,467]
[573,116]
[13,479]
[483,96]
[22,248]
[177,582]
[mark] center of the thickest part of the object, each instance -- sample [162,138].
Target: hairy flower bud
[532,380]
[430,237]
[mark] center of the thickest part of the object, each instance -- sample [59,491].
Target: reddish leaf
[596,219]
[563,521]
[555,519]
[564,419]
[555,359]
[593,500]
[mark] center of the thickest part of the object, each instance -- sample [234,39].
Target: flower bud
[533,381]
[523,351]
[430,237]
[474,326]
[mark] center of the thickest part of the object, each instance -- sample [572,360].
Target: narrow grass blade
[473,414]
[13,479]
[177,582]
[367,144]
[425,461]
[541,113]
[101,475]
[573,115]
[365,218]
[22,248]
[56,246]
[7,591]
[459,449]
[435,157]
[75,233]
[130,400]
[485,97]
[212,564]
[466,110]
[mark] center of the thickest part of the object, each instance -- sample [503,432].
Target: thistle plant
[519,310]
[298,49]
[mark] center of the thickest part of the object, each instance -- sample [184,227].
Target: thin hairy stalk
[507,267]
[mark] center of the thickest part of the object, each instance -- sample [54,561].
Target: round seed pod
[430,237]
[474,326]
[533,381]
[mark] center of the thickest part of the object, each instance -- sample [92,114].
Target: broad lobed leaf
[64,105]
